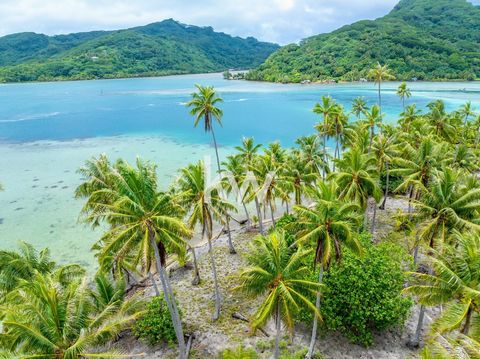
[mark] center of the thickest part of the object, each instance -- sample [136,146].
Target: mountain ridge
[160,48]
[426,39]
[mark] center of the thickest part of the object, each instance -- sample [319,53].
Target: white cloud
[281,21]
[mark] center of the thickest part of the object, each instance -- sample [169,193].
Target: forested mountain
[162,48]
[426,39]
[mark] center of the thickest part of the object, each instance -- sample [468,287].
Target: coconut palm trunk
[380,96]
[374,217]
[216,148]
[272,213]
[468,318]
[313,339]
[154,283]
[278,334]
[169,299]
[196,280]
[229,234]
[259,215]
[246,214]
[387,167]
[218,299]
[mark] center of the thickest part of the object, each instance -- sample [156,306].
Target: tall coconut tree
[325,108]
[338,123]
[142,221]
[249,153]
[403,92]
[374,119]
[311,153]
[357,180]
[417,165]
[297,177]
[276,273]
[204,205]
[327,226]
[359,106]
[448,205]
[47,319]
[204,106]
[379,74]
[409,115]
[385,150]
[454,284]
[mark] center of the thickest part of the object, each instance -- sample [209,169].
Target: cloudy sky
[281,21]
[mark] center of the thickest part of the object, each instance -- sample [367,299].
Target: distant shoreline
[332,82]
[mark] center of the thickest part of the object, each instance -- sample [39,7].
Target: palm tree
[204,107]
[454,284]
[325,108]
[338,123]
[448,205]
[248,152]
[416,166]
[328,226]
[357,180]
[142,221]
[373,118]
[268,170]
[403,92]
[46,319]
[204,205]
[385,150]
[359,106]
[276,273]
[297,177]
[311,154]
[16,266]
[409,115]
[379,74]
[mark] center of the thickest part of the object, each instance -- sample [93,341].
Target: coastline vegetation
[318,256]
[418,39]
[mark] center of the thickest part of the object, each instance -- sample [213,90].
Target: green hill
[162,48]
[427,39]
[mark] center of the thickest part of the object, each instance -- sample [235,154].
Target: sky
[280,21]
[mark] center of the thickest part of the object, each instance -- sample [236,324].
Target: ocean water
[47,131]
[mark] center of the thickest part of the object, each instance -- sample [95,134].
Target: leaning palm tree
[277,274]
[453,284]
[204,205]
[403,92]
[203,106]
[45,319]
[142,221]
[357,180]
[379,74]
[327,226]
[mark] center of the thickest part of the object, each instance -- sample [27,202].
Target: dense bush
[155,326]
[363,295]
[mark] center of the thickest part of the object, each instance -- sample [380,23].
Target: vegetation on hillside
[317,261]
[163,48]
[424,39]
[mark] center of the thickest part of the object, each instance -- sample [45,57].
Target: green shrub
[363,295]
[283,223]
[239,352]
[155,326]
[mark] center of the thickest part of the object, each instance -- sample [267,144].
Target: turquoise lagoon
[47,131]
